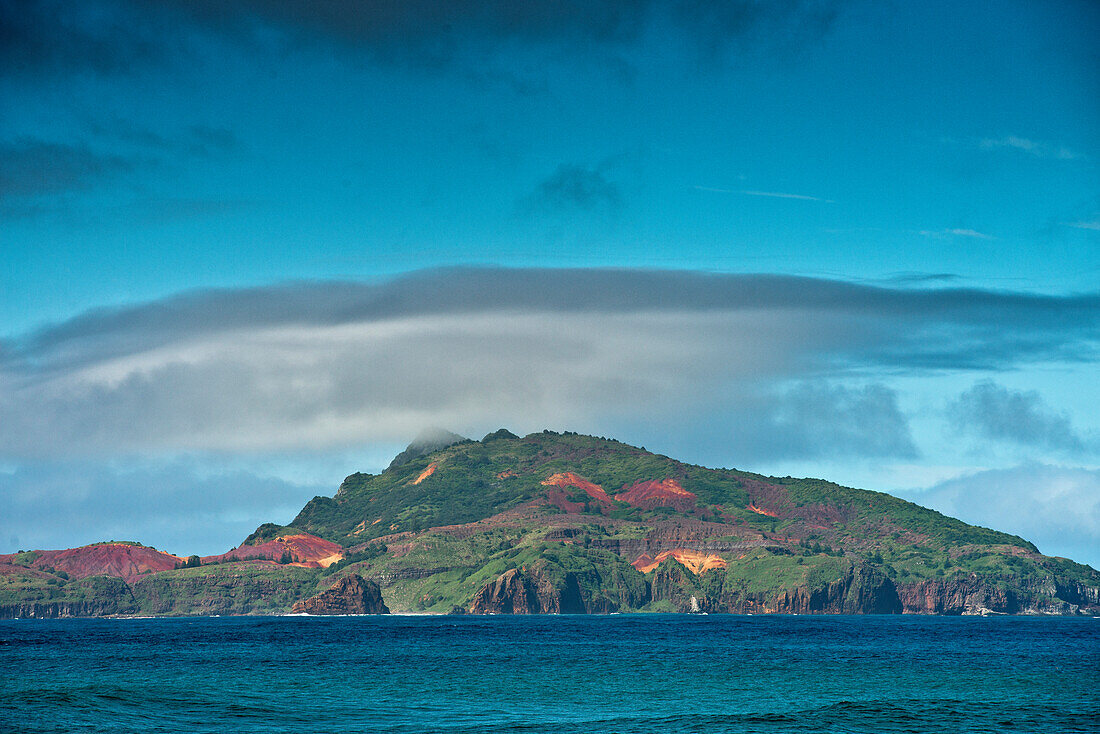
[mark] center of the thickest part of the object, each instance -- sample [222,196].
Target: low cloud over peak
[320,365]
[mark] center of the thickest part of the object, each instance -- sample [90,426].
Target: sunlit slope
[567,513]
[473,480]
[564,523]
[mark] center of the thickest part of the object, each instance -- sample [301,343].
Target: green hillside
[467,485]
[560,522]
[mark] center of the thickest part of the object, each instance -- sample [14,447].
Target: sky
[250,248]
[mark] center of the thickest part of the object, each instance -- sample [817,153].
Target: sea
[562,674]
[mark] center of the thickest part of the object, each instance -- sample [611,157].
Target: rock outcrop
[860,590]
[972,595]
[956,596]
[529,592]
[350,595]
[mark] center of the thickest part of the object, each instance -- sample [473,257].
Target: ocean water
[619,673]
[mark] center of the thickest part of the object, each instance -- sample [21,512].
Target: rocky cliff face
[529,592]
[972,595]
[350,595]
[99,596]
[233,588]
[861,590]
[956,596]
[65,609]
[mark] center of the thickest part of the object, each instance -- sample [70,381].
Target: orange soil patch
[304,550]
[111,559]
[652,494]
[761,511]
[362,527]
[696,561]
[569,479]
[506,473]
[427,472]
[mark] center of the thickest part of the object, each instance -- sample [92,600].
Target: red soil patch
[652,494]
[761,511]
[506,473]
[304,550]
[569,479]
[557,497]
[426,473]
[696,561]
[111,559]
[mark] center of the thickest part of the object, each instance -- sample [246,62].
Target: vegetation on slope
[583,515]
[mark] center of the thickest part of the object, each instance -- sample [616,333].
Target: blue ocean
[590,674]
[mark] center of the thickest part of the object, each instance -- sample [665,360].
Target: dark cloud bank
[323,365]
[51,38]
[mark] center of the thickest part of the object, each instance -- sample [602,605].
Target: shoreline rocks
[350,595]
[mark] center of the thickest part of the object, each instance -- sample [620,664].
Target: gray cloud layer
[991,411]
[318,365]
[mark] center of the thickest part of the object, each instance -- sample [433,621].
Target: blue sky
[894,209]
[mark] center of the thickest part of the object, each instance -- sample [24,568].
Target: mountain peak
[499,434]
[427,441]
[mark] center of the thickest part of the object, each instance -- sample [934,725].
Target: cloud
[778,195]
[1031,147]
[30,167]
[59,38]
[1057,508]
[991,411]
[970,233]
[958,232]
[814,419]
[770,194]
[52,37]
[917,278]
[321,365]
[572,187]
[1093,225]
[172,506]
